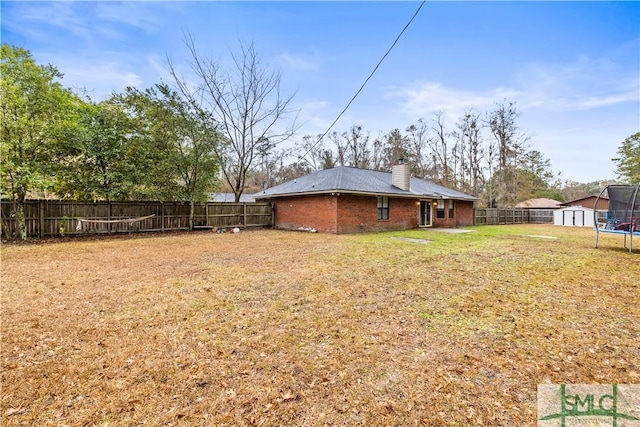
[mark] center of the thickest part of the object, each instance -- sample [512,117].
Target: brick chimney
[401,175]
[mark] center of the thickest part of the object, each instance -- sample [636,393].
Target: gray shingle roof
[230,198]
[361,181]
[539,203]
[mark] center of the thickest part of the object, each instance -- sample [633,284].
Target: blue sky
[573,68]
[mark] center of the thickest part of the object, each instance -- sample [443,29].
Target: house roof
[359,181]
[230,198]
[539,204]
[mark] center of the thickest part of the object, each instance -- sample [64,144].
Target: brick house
[346,200]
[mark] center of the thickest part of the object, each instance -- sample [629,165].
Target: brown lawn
[284,328]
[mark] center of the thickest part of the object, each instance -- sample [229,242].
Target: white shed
[573,216]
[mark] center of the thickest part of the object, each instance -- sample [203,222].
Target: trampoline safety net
[623,216]
[624,207]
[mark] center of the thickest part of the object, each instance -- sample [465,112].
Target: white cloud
[571,110]
[583,84]
[314,105]
[607,100]
[100,79]
[312,116]
[157,64]
[424,98]
[58,14]
[299,62]
[87,22]
[134,14]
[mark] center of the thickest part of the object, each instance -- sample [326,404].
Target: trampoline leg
[596,238]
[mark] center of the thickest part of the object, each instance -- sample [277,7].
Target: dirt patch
[452,230]
[413,240]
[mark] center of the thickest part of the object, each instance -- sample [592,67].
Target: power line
[368,78]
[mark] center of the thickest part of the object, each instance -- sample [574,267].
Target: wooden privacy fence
[495,216]
[61,217]
[541,216]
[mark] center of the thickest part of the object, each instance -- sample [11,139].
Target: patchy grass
[284,328]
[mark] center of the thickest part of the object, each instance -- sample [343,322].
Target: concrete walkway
[411,239]
[452,230]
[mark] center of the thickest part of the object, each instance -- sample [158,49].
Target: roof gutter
[365,193]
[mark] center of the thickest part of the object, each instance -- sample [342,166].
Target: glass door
[425,213]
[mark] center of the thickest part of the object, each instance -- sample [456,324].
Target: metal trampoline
[623,216]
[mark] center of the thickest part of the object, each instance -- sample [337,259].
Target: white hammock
[110,221]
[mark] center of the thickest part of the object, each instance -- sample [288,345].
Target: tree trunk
[22,225]
[191,214]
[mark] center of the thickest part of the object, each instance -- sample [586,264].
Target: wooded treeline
[484,154]
[175,141]
[223,130]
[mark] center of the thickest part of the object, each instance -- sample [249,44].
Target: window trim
[451,212]
[440,209]
[383,208]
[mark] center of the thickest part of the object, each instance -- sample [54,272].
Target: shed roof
[348,179]
[574,208]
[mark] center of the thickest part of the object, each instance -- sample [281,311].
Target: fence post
[244,215]
[42,213]
[44,216]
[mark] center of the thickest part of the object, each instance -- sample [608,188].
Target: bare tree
[511,144]
[247,104]
[471,151]
[315,155]
[458,158]
[358,147]
[418,136]
[341,147]
[440,148]
[353,147]
[377,152]
[395,148]
[267,170]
